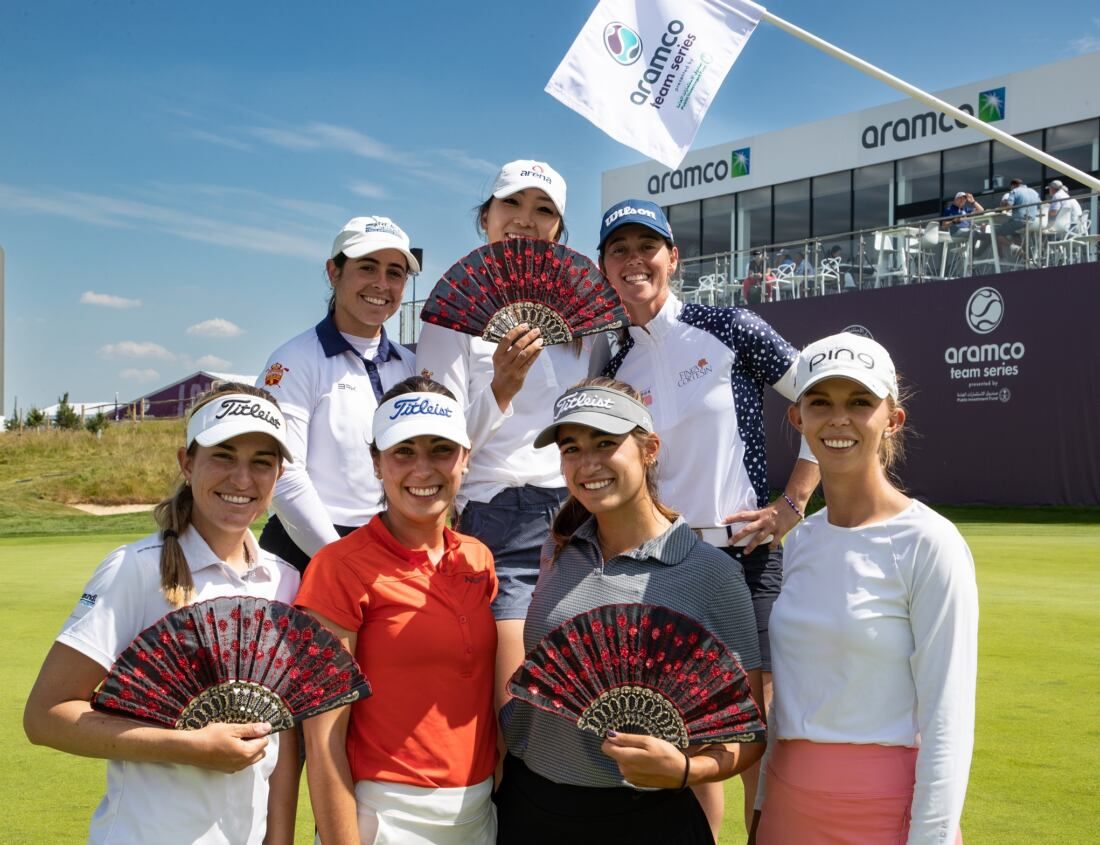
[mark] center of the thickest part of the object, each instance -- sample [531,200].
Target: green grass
[1035,774]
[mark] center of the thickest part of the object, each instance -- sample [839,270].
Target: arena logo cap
[596,407]
[234,414]
[364,235]
[644,212]
[851,356]
[526,173]
[411,415]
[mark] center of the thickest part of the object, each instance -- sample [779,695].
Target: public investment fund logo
[739,162]
[991,105]
[622,42]
[984,310]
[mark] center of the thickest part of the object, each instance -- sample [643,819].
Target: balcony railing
[908,253]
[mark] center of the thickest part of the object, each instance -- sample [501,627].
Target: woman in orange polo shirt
[410,598]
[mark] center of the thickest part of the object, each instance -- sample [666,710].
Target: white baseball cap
[1056,185]
[413,414]
[525,173]
[232,414]
[364,235]
[960,194]
[851,356]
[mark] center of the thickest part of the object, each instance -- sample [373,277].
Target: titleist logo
[408,407]
[581,400]
[247,408]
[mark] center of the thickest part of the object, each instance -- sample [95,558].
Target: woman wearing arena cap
[328,381]
[513,489]
[225,782]
[874,636]
[702,370]
[615,542]
[410,598]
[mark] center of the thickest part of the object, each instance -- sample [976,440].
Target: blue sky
[172,175]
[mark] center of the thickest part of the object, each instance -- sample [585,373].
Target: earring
[465,470]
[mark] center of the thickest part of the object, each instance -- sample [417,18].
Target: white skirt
[399,814]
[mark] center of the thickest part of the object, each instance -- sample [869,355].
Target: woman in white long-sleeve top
[513,489]
[874,634]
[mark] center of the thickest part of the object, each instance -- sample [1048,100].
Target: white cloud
[107,300]
[136,349]
[1084,44]
[327,136]
[134,374]
[367,189]
[216,327]
[220,140]
[478,165]
[213,362]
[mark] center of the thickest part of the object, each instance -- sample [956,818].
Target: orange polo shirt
[426,641]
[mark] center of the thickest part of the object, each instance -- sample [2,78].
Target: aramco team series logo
[739,162]
[984,310]
[991,105]
[622,42]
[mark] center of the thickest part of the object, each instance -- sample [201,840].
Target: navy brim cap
[642,212]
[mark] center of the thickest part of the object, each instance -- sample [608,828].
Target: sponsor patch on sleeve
[275,374]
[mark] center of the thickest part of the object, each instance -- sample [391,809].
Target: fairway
[1035,774]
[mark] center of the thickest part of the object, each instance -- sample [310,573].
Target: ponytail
[173,516]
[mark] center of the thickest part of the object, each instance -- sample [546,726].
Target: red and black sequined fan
[232,659]
[645,669]
[524,280]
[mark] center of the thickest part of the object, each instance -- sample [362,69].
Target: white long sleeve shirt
[874,640]
[503,453]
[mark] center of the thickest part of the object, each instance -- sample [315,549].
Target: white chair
[783,277]
[829,273]
[1073,245]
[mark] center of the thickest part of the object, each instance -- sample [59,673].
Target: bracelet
[687,769]
[794,507]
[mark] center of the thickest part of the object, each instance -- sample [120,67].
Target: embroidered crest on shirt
[275,374]
[647,398]
[88,599]
[701,368]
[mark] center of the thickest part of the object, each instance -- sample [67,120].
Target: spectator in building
[756,285]
[957,212]
[1023,205]
[328,381]
[1057,193]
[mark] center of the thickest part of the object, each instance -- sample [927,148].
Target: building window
[1077,144]
[792,211]
[918,186]
[832,203]
[684,220]
[717,225]
[754,218]
[1009,164]
[873,196]
[967,169]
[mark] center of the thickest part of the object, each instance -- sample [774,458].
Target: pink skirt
[838,794]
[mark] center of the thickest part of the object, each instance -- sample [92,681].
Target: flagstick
[934,102]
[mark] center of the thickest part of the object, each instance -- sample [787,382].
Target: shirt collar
[333,343]
[381,534]
[199,555]
[663,320]
[669,548]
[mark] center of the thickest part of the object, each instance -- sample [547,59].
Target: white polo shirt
[503,453]
[164,802]
[701,371]
[328,393]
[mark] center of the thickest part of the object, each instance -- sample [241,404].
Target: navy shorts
[764,576]
[515,525]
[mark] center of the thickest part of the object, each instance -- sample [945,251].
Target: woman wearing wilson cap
[702,370]
[513,489]
[410,598]
[874,636]
[328,381]
[222,783]
[615,542]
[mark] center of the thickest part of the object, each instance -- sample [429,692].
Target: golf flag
[645,71]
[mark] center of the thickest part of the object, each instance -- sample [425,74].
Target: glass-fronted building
[890,164]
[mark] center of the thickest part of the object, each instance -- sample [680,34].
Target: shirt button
[462,619]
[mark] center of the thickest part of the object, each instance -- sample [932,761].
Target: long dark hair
[573,514]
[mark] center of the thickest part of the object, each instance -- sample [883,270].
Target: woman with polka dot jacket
[701,370]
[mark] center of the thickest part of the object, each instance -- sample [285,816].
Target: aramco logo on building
[991,108]
[991,105]
[701,174]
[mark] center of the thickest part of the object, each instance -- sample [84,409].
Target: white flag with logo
[645,71]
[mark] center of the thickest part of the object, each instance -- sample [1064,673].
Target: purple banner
[1005,379]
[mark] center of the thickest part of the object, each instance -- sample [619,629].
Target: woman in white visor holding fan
[224,782]
[328,381]
[513,490]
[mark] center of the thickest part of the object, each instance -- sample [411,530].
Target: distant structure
[174,400]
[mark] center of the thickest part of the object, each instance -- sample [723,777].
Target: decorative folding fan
[638,668]
[523,280]
[233,659]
